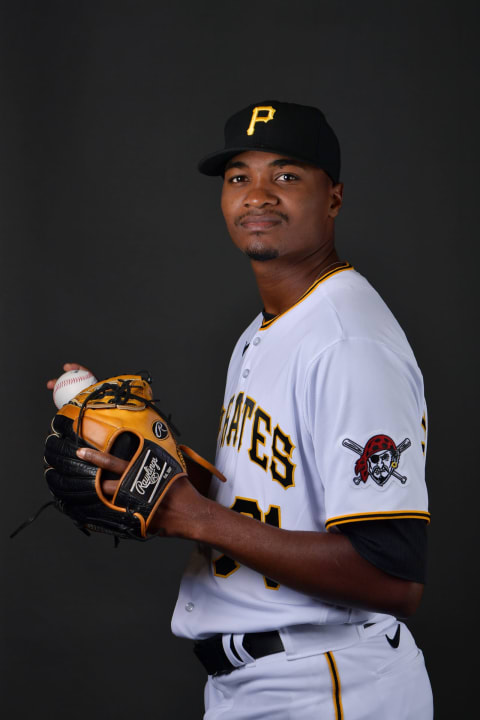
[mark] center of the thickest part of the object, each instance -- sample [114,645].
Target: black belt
[211,654]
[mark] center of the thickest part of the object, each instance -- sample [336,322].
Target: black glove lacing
[32,519]
[119,394]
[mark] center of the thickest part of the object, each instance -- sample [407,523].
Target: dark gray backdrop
[114,254]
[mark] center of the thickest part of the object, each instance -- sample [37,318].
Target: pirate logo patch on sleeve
[379,459]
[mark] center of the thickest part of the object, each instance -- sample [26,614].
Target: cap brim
[214,164]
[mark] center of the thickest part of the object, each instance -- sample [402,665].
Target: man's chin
[262,255]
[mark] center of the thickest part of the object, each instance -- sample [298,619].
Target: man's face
[278,207]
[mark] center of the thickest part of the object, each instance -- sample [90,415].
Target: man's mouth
[259,222]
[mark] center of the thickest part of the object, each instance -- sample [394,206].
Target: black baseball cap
[297,131]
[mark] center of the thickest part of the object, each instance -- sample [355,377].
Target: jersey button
[257,341]
[189,607]
[246,373]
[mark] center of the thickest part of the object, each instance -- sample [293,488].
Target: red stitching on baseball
[72,380]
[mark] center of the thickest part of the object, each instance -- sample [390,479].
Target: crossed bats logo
[379,459]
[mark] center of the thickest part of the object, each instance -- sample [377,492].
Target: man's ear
[336,199]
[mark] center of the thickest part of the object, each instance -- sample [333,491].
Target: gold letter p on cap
[262,118]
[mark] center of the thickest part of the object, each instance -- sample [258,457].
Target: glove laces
[118,395]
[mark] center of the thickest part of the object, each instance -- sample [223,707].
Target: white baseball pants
[370,680]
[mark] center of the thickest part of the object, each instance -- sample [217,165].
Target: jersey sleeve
[366,414]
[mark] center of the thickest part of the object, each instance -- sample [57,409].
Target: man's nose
[260,195]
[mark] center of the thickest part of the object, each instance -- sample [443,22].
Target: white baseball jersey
[323,423]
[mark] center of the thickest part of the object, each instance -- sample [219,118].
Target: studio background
[114,255]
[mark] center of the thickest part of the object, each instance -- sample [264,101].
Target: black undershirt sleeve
[398,547]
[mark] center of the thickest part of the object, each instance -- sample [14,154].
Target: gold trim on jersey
[382,515]
[344,266]
[336,686]
[424,426]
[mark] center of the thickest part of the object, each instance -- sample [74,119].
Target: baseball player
[314,547]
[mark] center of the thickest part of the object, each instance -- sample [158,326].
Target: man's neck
[282,283]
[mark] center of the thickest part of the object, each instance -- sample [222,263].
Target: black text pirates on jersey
[247,427]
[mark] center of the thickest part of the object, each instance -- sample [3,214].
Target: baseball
[70,384]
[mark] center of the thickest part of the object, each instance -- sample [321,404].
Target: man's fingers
[103,460]
[73,366]
[106,462]
[109,486]
[66,368]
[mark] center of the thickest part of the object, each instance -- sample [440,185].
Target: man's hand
[179,509]
[66,368]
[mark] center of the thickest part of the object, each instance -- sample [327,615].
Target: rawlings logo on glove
[152,474]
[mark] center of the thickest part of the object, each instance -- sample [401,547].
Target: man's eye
[287,177]
[237,179]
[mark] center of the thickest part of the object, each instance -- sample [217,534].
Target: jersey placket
[245,380]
